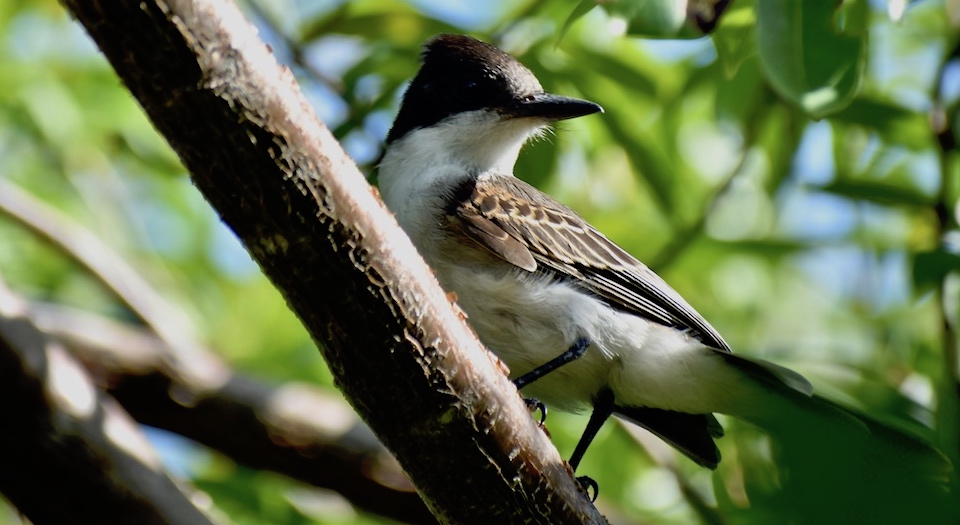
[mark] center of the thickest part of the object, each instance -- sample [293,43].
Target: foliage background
[824,245]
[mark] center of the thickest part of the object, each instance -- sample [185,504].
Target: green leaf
[769,248]
[739,97]
[930,268]
[656,18]
[895,124]
[381,20]
[878,192]
[622,69]
[584,7]
[538,161]
[735,38]
[646,157]
[813,53]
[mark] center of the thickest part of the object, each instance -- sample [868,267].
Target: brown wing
[530,230]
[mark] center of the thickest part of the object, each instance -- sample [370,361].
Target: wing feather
[530,230]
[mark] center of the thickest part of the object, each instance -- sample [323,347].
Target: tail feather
[769,373]
[691,434]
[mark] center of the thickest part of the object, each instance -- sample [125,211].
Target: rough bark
[397,348]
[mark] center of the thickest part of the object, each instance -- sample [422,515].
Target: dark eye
[470,84]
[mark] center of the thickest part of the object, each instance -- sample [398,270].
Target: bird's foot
[535,405]
[587,483]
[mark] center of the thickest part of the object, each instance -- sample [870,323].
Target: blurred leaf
[618,68]
[251,497]
[656,18]
[735,37]
[807,58]
[581,9]
[538,161]
[324,23]
[646,157]
[877,192]
[897,125]
[645,151]
[742,94]
[853,17]
[398,22]
[930,268]
[779,129]
[766,248]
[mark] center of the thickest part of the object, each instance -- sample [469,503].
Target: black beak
[551,107]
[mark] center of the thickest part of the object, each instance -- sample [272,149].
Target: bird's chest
[528,320]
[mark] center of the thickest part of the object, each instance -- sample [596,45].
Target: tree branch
[396,347]
[73,455]
[296,430]
[123,281]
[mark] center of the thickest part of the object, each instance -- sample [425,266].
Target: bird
[581,323]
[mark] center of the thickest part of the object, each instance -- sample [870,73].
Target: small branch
[296,430]
[71,454]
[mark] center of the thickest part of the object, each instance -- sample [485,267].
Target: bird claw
[587,483]
[535,405]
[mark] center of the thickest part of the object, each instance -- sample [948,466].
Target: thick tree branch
[296,430]
[73,455]
[398,350]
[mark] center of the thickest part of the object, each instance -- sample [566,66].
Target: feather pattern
[532,231]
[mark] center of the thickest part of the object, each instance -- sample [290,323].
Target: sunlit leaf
[656,18]
[618,68]
[650,162]
[809,58]
[582,8]
[895,124]
[735,36]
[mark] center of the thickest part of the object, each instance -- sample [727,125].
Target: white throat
[427,160]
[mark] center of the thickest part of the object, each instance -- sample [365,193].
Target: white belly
[527,321]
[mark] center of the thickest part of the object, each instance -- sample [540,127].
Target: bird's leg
[602,409]
[571,354]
